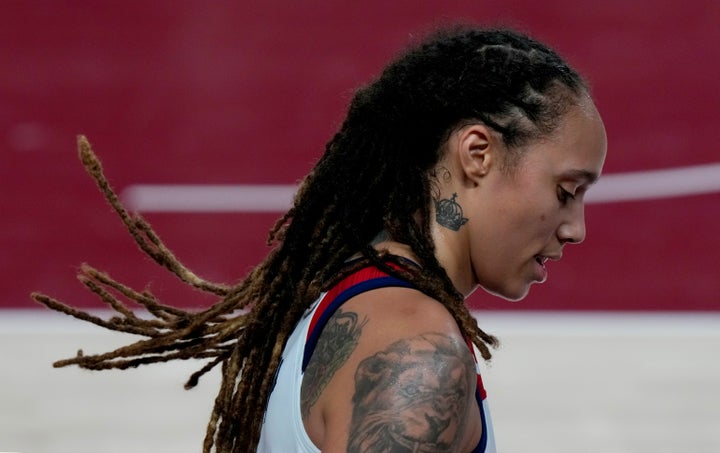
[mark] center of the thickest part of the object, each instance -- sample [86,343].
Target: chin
[509,294]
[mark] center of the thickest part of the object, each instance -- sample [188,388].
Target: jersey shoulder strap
[365,279]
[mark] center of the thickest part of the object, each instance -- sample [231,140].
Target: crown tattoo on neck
[449,213]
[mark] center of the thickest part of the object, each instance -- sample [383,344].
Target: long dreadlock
[377,174]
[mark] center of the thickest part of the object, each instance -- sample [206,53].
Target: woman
[463,165]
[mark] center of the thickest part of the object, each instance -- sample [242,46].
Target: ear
[476,151]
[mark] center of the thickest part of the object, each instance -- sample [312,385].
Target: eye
[410,390]
[564,195]
[414,390]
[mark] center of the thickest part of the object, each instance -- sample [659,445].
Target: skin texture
[406,381]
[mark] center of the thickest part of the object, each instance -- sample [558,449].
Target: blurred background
[617,352]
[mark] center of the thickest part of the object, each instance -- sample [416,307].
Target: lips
[541,273]
[541,260]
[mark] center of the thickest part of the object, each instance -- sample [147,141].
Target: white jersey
[283,430]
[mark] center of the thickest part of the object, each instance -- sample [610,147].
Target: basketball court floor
[560,383]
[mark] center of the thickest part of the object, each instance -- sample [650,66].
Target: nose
[572,230]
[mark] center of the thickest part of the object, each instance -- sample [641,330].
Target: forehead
[576,149]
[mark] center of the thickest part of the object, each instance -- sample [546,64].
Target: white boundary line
[550,324]
[210,198]
[646,185]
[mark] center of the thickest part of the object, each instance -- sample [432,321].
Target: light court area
[560,383]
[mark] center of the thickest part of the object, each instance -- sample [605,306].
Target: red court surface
[238,93]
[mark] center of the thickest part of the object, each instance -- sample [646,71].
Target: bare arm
[413,396]
[391,373]
[339,339]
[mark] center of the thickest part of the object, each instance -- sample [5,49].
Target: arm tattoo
[338,340]
[412,397]
[449,213]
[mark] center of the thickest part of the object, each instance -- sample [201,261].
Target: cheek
[517,236]
[545,226]
[494,253]
[539,230]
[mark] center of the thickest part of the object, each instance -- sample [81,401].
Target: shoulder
[400,360]
[397,312]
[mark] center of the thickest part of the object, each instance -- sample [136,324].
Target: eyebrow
[588,176]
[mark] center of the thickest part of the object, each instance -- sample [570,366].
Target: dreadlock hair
[377,174]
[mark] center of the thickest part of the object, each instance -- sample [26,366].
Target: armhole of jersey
[480,448]
[480,395]
[365,279]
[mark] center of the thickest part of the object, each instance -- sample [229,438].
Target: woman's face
[524,216]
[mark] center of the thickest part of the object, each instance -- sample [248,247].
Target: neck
[448,253]
[453,257]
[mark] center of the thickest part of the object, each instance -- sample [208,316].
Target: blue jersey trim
[344,296]
[484,437]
